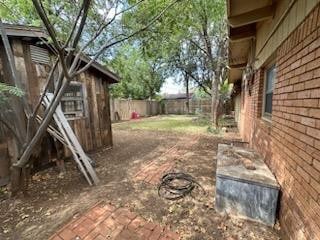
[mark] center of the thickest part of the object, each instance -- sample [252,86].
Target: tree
[193,43]
[68,48]
[141,77]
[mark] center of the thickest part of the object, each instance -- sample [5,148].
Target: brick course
[105,221]
[290,142]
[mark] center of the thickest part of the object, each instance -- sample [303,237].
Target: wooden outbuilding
[85,103]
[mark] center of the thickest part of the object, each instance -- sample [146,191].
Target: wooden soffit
[243,16]
[244,12]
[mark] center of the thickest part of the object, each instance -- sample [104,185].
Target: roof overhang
[242,19]
[28,32]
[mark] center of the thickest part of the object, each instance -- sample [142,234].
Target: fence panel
[179,106]
[121,109]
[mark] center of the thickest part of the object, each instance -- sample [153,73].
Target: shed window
[268,92]
[72,102]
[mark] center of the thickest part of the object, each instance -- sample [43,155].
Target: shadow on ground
[54,200]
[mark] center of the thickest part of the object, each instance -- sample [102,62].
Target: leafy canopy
[141,77]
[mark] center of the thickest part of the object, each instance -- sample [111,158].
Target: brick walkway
[104,221]
[154,170]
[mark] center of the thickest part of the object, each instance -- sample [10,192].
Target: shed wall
[93,130]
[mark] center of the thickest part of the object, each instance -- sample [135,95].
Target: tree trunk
[24,158]
[214,102]
[187,94]
[215,68]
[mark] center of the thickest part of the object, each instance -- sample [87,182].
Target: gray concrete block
[250,194]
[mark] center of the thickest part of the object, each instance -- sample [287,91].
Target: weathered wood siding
[93,130]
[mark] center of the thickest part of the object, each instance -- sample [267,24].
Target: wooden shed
[85,103]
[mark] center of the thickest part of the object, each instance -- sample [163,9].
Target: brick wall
[290,143]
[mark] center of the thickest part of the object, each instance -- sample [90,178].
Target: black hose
[175,186]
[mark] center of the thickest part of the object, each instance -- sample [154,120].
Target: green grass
[176,123]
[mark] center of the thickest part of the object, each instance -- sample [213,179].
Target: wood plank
[86,126]
[108,115]
[104,116]
[253,16]
[101,107]
[90,107]
[95,111]
[242,33]
[75,155]
[33,81]
[70,134]
[240,65]
[77,151]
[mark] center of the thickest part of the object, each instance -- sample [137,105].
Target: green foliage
[225,91]
[141,77]
[199,93]
[62,14]
[213,130]
[177,38]
[168,47]
[6,91]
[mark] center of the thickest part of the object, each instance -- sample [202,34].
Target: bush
[213,130]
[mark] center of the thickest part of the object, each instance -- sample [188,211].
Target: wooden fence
[179,106]
[121,109]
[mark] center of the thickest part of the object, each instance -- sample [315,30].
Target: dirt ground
[54,199]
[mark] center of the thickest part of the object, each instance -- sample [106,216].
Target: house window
[72,102]
[268,90]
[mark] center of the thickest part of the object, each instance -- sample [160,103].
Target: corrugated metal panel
[39,55]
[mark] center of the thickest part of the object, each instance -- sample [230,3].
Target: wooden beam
[239,65]
[253,16]
[242,33]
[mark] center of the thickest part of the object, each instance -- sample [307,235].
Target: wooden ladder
[68,138]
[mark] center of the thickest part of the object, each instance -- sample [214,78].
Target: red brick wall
[290,143]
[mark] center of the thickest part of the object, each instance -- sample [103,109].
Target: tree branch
[74,25]
[47,23]
[105,46]
[86,5]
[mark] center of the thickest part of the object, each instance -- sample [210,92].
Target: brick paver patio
[105,221]
[153,171]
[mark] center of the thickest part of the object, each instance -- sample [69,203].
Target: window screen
[270,78]
[72,102]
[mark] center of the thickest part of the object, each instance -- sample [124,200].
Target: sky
[170,86]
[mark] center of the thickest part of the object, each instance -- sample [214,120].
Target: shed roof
[23,31]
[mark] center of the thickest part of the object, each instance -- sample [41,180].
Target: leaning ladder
[67,137]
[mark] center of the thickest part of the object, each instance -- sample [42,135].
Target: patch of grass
[213,130]
[176,123]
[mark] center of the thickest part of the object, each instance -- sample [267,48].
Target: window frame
[266,115]
[83,99]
